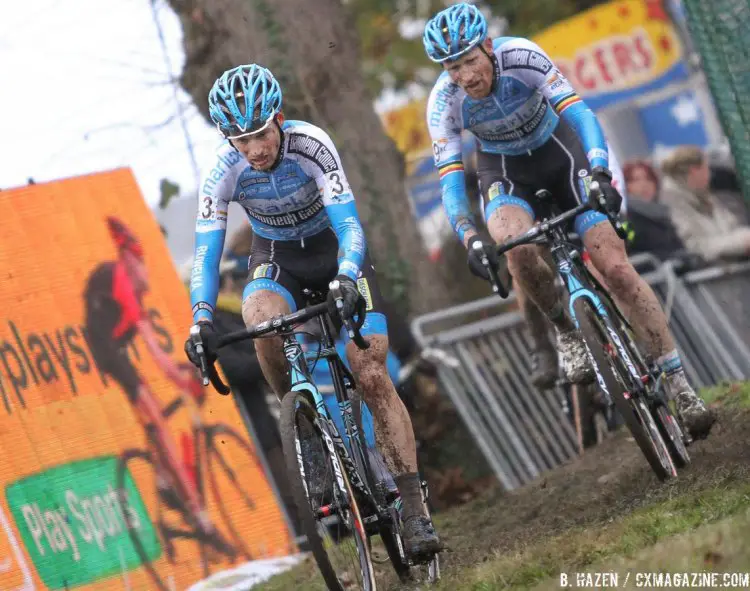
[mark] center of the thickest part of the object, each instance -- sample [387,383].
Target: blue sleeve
[351,237]
[204,280]
[455,199]
[586,125]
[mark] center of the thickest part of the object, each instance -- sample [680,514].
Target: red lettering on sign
[585,81]
[623,59]
[599,55]
[644,50]
[609,64]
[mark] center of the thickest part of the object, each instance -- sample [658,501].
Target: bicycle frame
[575,277]
[355,462]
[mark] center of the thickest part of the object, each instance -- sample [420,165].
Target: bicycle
[627,379]
[349,506]
[214,454]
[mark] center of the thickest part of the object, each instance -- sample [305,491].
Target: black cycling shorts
[560,166]
[287,267]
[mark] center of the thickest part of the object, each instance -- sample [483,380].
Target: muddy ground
[606,482]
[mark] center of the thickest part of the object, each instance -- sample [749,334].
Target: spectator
[705,225]
[649,219]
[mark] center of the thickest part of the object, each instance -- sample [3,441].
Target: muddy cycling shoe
[544,368]
[573,357]
[420,539]
[694,414]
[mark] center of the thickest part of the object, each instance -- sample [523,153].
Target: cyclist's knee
[620,276]
[508,222]
[261,305]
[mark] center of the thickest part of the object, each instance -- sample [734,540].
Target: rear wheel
[613,375]
[325,500]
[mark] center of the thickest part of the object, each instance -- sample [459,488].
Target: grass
[600,549]
[732,394]
[703,526]
[722,547]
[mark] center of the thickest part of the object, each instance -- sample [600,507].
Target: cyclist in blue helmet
[288,178]
[534,132]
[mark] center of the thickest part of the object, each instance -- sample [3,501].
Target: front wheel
[614,377]
[325,500]
[673,435]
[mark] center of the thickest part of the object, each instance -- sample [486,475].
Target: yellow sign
[117,473]
[613,51]
[407,127]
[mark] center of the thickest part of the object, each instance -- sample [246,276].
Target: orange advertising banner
[118,470]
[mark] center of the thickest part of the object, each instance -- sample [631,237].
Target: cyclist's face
[641,185]
[262,148]
[473,71]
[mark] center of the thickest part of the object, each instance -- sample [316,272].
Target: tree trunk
[312,48]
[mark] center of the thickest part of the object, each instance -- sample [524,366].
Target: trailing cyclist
[288,178]
[534,132]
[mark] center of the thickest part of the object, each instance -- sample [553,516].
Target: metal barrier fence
[722,295]
[523,432]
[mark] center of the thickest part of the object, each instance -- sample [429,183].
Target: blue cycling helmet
[454,31]
[244,100]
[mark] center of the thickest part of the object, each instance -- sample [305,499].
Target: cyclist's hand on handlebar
[209,338]
[349,293]
[476,266]
[609,198]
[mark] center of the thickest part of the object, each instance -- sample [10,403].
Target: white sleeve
[444,121]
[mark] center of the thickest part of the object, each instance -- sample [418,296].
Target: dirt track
[608,481]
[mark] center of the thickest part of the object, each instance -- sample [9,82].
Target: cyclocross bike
[630,382]
[341,504]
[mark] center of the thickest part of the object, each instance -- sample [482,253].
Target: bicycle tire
[299,402]
[637,417]
[668,424]
[673,436]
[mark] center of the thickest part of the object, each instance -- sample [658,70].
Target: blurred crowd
[689,207]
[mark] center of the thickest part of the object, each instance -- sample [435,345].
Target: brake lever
[195,336]
[209,375]
[497,287]
[613,218]
[338,298]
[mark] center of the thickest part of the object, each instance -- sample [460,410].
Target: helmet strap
[279,120]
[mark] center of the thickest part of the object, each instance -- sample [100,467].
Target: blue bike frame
[301,379]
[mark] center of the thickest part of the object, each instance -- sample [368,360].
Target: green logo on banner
[74,522]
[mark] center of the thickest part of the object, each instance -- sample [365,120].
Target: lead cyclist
[288,178]
[534,132]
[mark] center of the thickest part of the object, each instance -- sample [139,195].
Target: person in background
[650,226]
[703,223]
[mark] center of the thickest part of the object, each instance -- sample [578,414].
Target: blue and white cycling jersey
[306,193]
[528,98]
